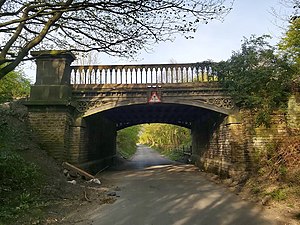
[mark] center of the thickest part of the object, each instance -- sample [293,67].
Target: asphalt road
[156,191]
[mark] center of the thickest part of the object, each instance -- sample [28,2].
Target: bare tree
[115,27]
[289,11]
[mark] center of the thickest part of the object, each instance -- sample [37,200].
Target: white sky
[215,40]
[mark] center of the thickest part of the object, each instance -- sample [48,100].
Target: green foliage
[290,43]
[20,180]
[279,194]
[290,47]
[165,137]
[19,186]
[257,78]
[13,85]
[127,139]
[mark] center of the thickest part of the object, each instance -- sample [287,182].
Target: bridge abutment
[50,111]
[220,145]
[59,128]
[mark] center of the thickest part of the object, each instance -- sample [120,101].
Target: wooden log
[69,166]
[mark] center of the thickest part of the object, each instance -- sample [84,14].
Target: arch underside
[176,114]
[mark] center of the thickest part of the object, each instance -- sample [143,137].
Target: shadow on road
[155,190]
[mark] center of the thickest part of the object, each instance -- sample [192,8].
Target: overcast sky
[215,40]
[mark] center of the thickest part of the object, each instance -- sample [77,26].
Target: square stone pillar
[51,114]
[52,76]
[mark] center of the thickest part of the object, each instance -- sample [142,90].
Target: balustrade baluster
[100,75]
[193,73]
[80,76]
[85,73]
[105,75]
[75,74]
[146,69]
[89,76]
[130,74]
[142,70]
[182,75]
[126,76]
[161,75]
[136,70]
[202,74]
[206,73]
[95,73]
[171,75]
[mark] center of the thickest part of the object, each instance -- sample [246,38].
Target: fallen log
[81,172]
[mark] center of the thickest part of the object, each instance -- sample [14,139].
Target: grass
[127,151]
[279,194]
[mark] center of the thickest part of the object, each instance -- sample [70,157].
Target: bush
[257,78]
[13,85]
[19,184]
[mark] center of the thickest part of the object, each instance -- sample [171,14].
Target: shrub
[19,183]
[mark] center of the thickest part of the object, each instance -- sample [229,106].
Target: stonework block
[52,131]
[231,148]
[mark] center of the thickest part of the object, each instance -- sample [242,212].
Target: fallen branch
[85,196]
[69,166]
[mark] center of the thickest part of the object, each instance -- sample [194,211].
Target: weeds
[279,194]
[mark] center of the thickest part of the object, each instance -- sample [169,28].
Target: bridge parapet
[145,73]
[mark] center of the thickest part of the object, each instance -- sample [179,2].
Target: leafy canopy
[290,46]
[164,136]
[257,78]
[13,86]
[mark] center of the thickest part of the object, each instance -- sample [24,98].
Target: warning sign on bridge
[154,97]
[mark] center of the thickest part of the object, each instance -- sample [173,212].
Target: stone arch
[222,105]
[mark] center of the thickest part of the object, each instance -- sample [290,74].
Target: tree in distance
[115,27]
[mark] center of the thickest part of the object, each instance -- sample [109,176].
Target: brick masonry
[90,142]
[52,129]
[231,146]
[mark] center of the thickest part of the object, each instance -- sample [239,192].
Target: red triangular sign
[154,97]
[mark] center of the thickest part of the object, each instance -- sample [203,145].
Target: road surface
[156,191]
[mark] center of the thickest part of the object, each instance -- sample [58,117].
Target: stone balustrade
[144,73]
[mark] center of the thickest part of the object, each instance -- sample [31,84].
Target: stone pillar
[218,143]
[50,111]
[78,151]
[52,76]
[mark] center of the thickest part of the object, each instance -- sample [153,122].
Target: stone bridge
[76,111]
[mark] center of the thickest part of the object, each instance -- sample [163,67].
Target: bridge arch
[139,113]
[219,105]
